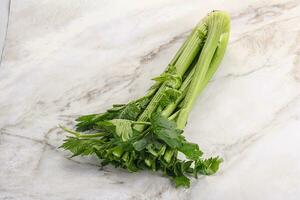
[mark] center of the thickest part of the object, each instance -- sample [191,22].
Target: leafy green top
[156,148]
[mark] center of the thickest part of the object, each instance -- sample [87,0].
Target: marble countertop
[71,57]
[4,13]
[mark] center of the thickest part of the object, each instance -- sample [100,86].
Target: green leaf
[170,95]
[117,151]
[162,150]
[186,166]
[125,157]
[81,146]
[168,155]
[143,102]
[208,166]
[85,117]
[166,130]
[107,126]
[178,168]
[85,122]
[130,112]
[191,150]
[116,107]
[140,144]
[151,149]
[170,77]
[121,128]
[171,80]
[88,122]
[182,181]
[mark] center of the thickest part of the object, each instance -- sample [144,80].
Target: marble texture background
[71,57]
[4,14]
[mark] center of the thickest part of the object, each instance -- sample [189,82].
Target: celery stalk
[218,25]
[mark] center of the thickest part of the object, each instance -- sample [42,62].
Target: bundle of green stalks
[147,133]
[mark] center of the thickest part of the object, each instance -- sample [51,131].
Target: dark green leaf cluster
[128,111]
[156,148]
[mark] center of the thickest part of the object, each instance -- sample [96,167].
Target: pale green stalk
[218,24]
[181,61]
[217,58]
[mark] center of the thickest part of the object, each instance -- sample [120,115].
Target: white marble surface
[64,58]
[4,13]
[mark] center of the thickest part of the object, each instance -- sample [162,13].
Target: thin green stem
[79,135]
[141,123]
[173,116]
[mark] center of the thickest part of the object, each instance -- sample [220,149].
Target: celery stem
[217,25]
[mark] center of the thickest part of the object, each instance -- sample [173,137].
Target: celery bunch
[147,133]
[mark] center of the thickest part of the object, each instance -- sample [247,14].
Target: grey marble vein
[4,15]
